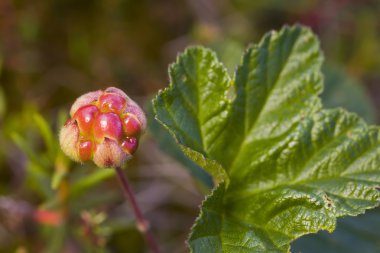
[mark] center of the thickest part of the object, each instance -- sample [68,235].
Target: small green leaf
[286,167]
[25,147]
[38,180]
[2,101]
[58,176]
[56,241]
[46,133]
[85,183]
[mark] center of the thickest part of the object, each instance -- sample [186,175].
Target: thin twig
[142,225]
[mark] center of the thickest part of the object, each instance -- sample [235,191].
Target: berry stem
[142,224]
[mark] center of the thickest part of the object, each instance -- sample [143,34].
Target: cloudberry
[105,126]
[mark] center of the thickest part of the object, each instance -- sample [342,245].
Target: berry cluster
[105,126]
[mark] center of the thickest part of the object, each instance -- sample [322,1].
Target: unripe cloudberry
[105,126]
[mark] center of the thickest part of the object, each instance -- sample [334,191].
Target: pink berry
[84,100]
[85,150]
[130,145]
[107,125]
[135,110]
[85,117]
[131,125]
[111,102]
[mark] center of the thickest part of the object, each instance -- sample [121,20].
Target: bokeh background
[53,51]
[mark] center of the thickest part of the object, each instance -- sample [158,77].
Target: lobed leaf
[286,167]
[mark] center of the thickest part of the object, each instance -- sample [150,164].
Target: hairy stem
[142,224]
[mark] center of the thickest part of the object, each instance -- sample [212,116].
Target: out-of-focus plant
[57,193]
[2,103]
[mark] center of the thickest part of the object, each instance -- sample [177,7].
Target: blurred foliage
[2,103]
[341,90]
[53,51]
[353,234]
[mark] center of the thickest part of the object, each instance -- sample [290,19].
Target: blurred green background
[53,51]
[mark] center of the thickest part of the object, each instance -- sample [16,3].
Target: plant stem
[142,225]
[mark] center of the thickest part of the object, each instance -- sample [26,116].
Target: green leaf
[2,101]
[56,240]
[85,183]
[47,134]
[57,178]
[23,144]
[286,166]
[38,180]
